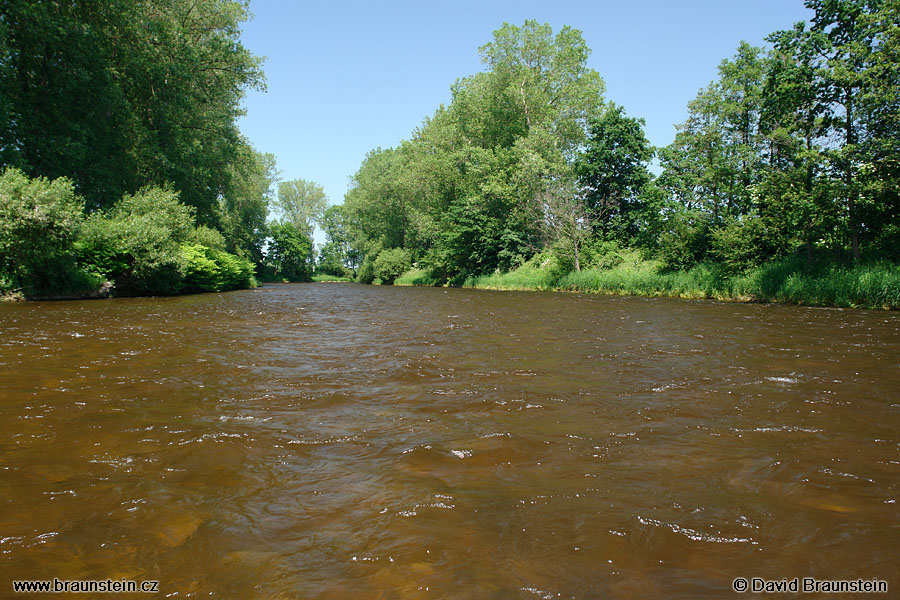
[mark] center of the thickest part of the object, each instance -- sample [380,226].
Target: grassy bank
[323,278]
[416,277]
[790,281]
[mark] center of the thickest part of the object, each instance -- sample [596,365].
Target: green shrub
[366,273]
[684,240]
[138,242]
[391,264]
[206,236]
[417,277]
[211,270]
[39,222]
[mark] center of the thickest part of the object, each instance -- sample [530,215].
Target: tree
[547,79]
[844,39]
[119,94]
[612,172]
[302,203]
[792,123]
[337,255]
[479,171]
[289,251]
[391,264]
[244,206]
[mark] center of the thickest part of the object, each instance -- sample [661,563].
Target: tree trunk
[851,189]
[575,244]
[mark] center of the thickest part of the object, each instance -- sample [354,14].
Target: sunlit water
[345,441]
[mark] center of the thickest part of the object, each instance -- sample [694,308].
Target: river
[348,441]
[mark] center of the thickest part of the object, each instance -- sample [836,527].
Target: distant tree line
[793,151]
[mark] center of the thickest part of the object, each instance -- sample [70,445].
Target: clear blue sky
[346,77]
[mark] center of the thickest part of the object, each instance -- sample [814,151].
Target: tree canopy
[792,149]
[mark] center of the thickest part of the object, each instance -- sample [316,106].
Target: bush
[391,264]
[366,273]
[602,255]
[417,277]
[683,243]
[211,238]
[211,270]
[748,242]
[39,222]
[138,243]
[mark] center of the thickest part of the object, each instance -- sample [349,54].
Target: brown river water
[346,441]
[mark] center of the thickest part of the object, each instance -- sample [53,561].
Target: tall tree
[118,94]
[244,206]
[302,203]
[612,172]
[845,42]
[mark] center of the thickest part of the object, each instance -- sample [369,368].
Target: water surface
[345,441]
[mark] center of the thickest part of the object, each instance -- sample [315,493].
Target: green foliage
[390,264]
[39,224]
[244,206]
[419,277]
[683,242]
[467,193]
[211,238]
[366,272]
[603,255]
[138,242]
[119,94]
[791,281]
[211,270]
[612,171]
[289,253]
[302,204]
[337,256]
[146,244]
[324,277]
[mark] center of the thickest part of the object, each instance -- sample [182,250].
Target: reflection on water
[338,441]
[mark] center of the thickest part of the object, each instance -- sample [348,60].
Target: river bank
[875,286]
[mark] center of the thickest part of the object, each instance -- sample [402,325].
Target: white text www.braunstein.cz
[100,586]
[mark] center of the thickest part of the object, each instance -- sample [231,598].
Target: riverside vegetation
[121,165]
[123,168]
[783,184]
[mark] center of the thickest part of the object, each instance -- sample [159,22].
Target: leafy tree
[119,94]
[138,242]
[612,172]
[547,79]
[302,203]
[379,208]
[244,207]
[337,255]
[792,123]
[845,40]
[289,252]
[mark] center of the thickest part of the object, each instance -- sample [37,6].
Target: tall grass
[417,277]
[790,281]
[521,279]
[324,277]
